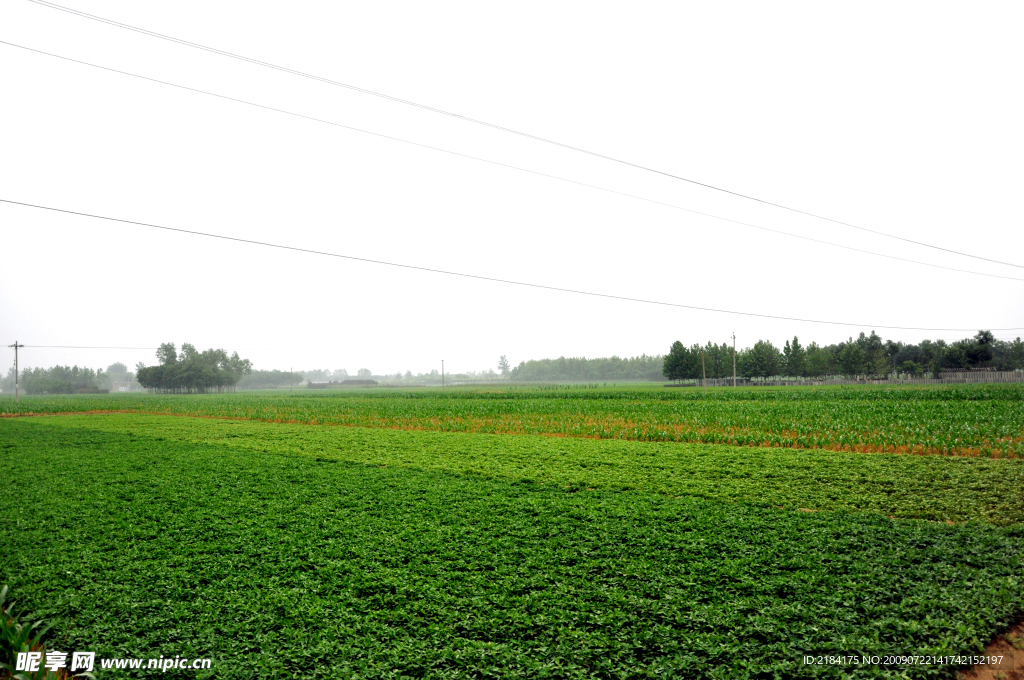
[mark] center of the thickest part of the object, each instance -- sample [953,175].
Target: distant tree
[794,358]
[115,373]
[674,365]
[818,361]
[188,352]
[503,365]
[906,353]
[167,354]
[880,366]
[318,375]
[874,360]
[364,373]
[956,356]
[117,368]
[61,380]
[932,355]
[892,352]
[763,360]
[192,370]
[851,357]
[258,380]
[980,349]
[1015,355]
[718,359]
[911,368]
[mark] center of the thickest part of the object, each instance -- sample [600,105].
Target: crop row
[962,420]
[938,488]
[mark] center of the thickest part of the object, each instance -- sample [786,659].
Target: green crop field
[449,535]
[981,419]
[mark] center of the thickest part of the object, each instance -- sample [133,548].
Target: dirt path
[1010,646]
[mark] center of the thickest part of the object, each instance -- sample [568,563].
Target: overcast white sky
[904,118]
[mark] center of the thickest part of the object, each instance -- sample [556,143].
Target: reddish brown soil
[1010,646]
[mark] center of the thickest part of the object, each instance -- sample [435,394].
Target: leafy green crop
[924,487]
[982,419]
[140,541]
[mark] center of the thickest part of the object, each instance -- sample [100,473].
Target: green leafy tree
[503,365]
[1015,355]
[192,370]
[62,380]
[794,358]
[675,363]
[818,361]
[911,368]
[763,360]
[718,359]
[167,355]
[851,358]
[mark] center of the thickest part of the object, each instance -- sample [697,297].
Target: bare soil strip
[1010,646]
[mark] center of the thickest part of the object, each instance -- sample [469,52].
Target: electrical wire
[511,167]
[240,349]
[495,126]
[486,278]
[82,347]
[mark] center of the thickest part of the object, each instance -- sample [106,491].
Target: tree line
[69,379]
[192,371]
[264,379]
[867,355]
[578,369]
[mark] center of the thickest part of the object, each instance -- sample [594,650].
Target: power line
[511,167]
[83,347]
[495,126]
[486,278]
[239,349]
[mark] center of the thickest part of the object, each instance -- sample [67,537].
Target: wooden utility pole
[15,346]
[704,372]
[442,373]
[734,360]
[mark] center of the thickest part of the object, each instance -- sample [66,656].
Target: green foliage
[696,362]
[19,634]
[921,487]
[192,370]
[763,360]
[61,380]
[794,358]
[911,368]
[676,364]
[283,565]
[582,369]
[256,380]
[951,419]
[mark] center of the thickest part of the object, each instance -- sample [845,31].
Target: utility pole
[442,374]
[15,346]
[734,359]
[703,371]
[291,376]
